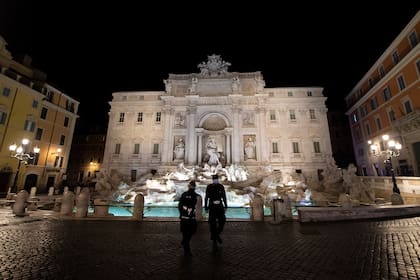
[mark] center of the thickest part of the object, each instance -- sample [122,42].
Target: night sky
[91,50]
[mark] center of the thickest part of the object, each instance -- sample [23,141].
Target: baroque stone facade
[218,115]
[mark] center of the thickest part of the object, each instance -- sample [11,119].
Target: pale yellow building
[34,110]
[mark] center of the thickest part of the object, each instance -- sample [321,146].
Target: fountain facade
[216,119]
[259,140]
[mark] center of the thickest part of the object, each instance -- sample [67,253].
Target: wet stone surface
[84,249]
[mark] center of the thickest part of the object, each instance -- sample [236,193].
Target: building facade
[34,110]
[387,101]
[215,112]
[86,158]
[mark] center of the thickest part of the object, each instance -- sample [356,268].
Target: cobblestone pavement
[53,248]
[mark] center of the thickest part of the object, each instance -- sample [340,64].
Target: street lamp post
[19,152]
[392,150]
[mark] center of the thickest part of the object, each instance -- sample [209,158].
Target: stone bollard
[57,204]
[10,195]
[66,189]
[82,204]
[51,191]
[101,207]
[278,209]
[257,206]
[287,208]
[78,189]
[138,209]
[19,207]
[68,203]
[199,208]
[33,203]
[345,201]
[33,192]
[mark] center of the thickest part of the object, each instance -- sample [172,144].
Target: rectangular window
[38,134]
[3,117]
[362,111]
[382,145]
[413,39]
[272,115]
[275,147]
[6,92]
[66,122]
[29,125]
[35,104]
[136,149]
[368,129]
[295,147]
[49,95]
[386,94]
[56,161]
[62,139]
[418,67]
[122,115]
[381,71]
[401,82]
[371,82]
[117,148]
[292,114]
[373,103]
[407,106]
[140,117]
[289,93]
[158,116]
[44,112]
[309,93]
[391,114]
[155,149]
[312,114]
[395,57]
[133,175]
[36,158]
[378,123]
[317,147]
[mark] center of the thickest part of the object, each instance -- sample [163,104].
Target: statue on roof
[214,66]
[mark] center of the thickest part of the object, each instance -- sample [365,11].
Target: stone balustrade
[409,187]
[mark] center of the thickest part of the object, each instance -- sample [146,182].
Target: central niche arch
[214,122]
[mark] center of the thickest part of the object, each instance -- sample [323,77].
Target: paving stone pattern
[86,249]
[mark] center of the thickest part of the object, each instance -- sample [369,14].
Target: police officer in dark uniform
[216,204]
[186,207]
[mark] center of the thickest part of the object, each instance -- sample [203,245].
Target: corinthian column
[228,136]
[191,145]
[167,139]
[199,132]
[236,135]
[262,153]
